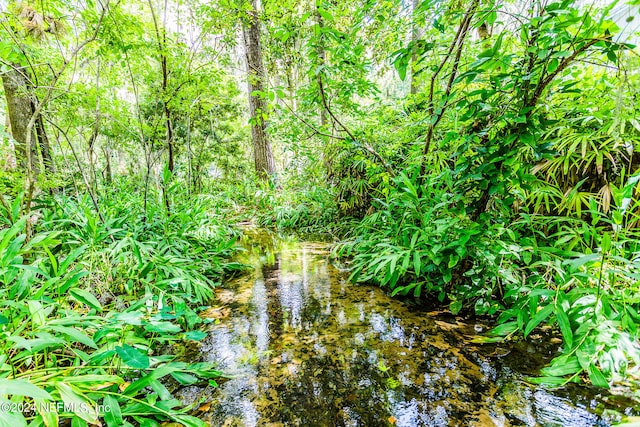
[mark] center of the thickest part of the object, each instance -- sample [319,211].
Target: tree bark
[43,142]
[415,30]
[322,58]
[262,154]
[20,110]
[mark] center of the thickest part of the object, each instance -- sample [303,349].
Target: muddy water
[305,348]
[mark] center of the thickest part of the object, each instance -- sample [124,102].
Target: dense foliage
[88,307]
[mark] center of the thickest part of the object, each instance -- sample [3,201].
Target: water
[305,348]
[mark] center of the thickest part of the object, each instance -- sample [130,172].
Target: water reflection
[306,349]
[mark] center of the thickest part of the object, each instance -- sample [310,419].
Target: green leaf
[184,378]
[79,404]
[195,335]
[94,380]
[565,326]
[149,378]
[163,327]
[37,311]
[133,318]
[86,298]
[13,419]
[561,366]
[189,421]
[133,357]
[606,242]
[629,422]
[49,416]
[112,412]
[416,263]
[504,329]
[453,261]
[597,377]
[325,14]
[78,422]
[76,335]
[547,380]
[539,317]
[447,275]
[22,388]
[455,307]
[576,263]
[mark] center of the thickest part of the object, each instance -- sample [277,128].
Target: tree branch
[366,146]
[542,85]
[458,45]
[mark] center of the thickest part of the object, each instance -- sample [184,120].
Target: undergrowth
[580,276]
[87,303]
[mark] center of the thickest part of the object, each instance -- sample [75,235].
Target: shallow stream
[305,348]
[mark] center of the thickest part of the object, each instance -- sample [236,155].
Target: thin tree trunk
[94,133]
[322,58]
[161,38]
[11,156]
[413,88]
[167,113]
[108,174]
[45,148]
[262,154]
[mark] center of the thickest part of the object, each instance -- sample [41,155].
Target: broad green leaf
[597,377]
[112,412]
[565,326]
[606,242]
[143,382]
[78,403]
[11,419]
[562,366]
[629,422]
[134,318]
[22,388]
[86,297]
[189,421]
[547,380]
[133,357]
[184,378]
[78,422]
[455,307]
[195,335]
[47,411]
[93,381]
[504,329]
[76,335]
[575,263]
[537,318]
[163,327]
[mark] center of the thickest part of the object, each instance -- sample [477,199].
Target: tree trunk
[167,111]
[262,154]
[413,88]
[20,110]
[107,169]
[45,148]
[322,58]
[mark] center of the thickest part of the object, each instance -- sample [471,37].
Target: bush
[421,240]
[87,304]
